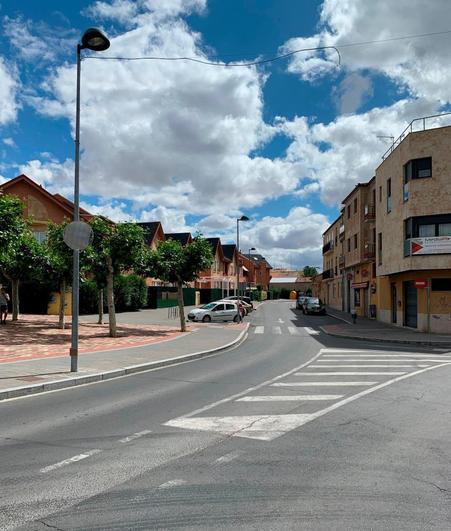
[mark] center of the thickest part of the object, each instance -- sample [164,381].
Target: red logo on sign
[416,247]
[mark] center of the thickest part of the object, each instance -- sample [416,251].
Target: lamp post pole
[92,39]
[249,275]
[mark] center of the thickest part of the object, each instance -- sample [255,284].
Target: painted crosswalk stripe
[361,366]
[276,330]
[340,373]
[69,461]
[293,331]
[288,398]
[311,331]
[259,329]
[314,384]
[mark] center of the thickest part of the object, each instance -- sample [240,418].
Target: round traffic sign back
[78,235]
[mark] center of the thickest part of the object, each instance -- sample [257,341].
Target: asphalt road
[291,430]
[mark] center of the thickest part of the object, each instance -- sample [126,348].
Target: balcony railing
[328,247]
[369,251]
[328,273]
[341,261]
[341,233]
[370,213]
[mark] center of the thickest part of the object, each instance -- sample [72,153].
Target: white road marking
[362,366]
[227,458]
[293,330]
[288,398]
[259,329]
[338,373]
[69,461]
[134,436]
[280,320]
[172,483]
[385,360]
[314,384]
[261,427]
[276,330]
[310,331]
[379,355]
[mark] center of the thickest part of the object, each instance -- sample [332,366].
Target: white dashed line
[276,330]
[172,483]
[314,384]
[69,461]
[293,331]
[328,360]
[134,436]
[311,331]
[228,457]
[288,398]
[259,329]
[362,366]
[356,373]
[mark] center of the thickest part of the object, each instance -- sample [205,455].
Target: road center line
[134,436]
[385,360]
[69,461]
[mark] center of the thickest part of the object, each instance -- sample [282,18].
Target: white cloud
[9,142]
[8,93]
[114,211]
[55,176]
[175,134]
[352,92]
[420,64]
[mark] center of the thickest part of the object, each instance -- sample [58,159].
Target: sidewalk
[372,330]
[34,373]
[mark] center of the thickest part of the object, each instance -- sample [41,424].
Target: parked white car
[215,311]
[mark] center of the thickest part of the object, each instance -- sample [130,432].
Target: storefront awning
[358,285]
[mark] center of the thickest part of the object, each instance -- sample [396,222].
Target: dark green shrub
[89,297]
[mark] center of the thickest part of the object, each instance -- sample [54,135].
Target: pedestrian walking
[4,298]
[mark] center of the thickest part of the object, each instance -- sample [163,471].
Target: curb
[16,392]
[384,340]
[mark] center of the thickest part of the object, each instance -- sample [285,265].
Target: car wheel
[206,319]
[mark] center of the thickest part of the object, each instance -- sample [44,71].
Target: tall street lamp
[249,275]
[92,39]
[237,289]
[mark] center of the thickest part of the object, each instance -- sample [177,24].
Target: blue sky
[195,145]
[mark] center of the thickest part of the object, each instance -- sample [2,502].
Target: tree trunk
[15,298]
[62,308]
[110,299]
[181,306]
[100,319]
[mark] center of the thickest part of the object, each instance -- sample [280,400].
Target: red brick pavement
[38,336]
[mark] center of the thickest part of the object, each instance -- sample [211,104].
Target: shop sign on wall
[435,245]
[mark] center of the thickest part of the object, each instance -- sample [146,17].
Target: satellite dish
[78,235]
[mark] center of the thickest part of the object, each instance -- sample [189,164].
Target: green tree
[22,259]
[174,263]
[310,271]
[12,223]
[59,264]
[115,249]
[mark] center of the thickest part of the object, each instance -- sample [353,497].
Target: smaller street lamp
[237,289]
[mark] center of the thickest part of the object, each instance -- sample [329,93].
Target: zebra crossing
[291,330]
[266,411]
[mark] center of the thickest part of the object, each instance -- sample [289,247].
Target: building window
[444,229]
[349,245]
[40,236]
[441,284]
[389,199]
[355,241]
[426,231]
[428,226]
[355,205]
[379,248]
[418,169]
[349,211]
[380,194]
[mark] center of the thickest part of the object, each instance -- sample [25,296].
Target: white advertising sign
[437,245]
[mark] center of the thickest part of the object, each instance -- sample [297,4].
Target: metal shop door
[394,309]
[410,304]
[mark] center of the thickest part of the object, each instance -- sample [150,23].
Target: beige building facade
[388,255]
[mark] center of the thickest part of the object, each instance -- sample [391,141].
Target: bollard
[354,316]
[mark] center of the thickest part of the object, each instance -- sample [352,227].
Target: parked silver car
[314,305]
[215,311]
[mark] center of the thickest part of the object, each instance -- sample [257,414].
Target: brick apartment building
[393,236]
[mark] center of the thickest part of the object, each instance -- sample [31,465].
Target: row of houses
[43,207]
[388,255]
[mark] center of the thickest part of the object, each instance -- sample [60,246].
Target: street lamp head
[243,218]
[252,249]
[94,39]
